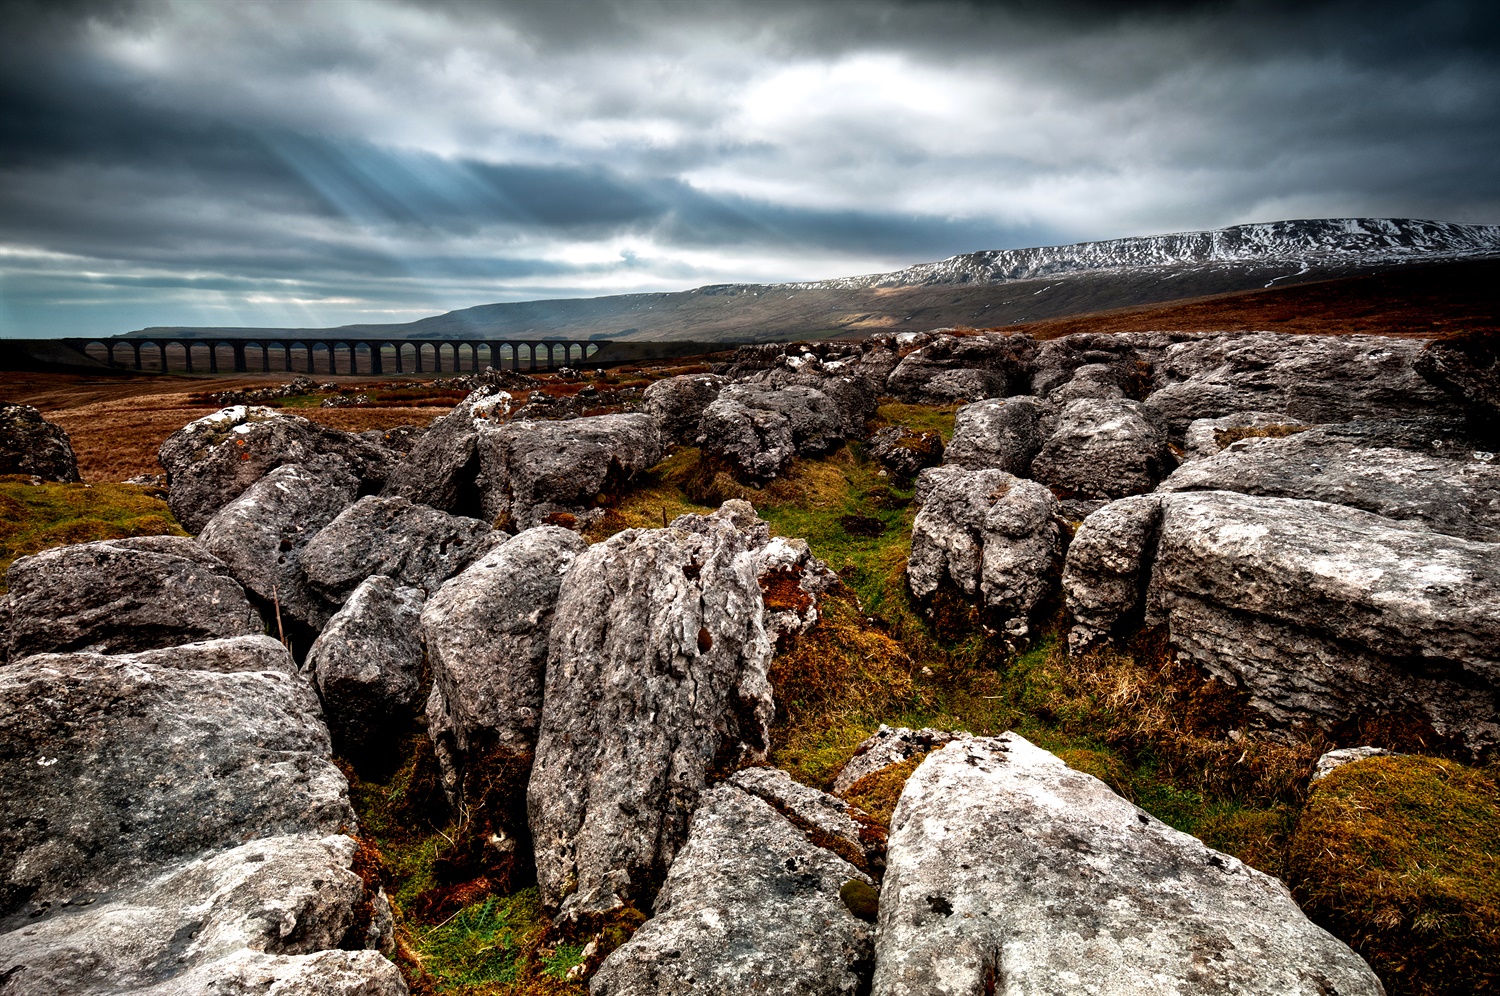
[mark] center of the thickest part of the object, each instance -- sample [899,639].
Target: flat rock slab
[750,906]
[826,820]
[113,769]
[272,908]
[117,596]
[1010,873]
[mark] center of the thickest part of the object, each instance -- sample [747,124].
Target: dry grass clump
[1227,437]
[1400,857]
[36,517]
[878,792]
[920,418]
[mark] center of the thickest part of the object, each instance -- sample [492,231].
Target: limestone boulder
[995,537]
[117,596]
[1314,379]
[656,679]
[1001,434]
[1403,471]
[275,910]
[442,466]
[677,404]
[1322,613]
[759,429]
[951,368]
[1100,363]
[1108,567]
[1093,382]
[415,545]
[29,444]
[116,769]
[1103,449]
[1008,871]
[1468,369]
[750,904]
[487,633]
[213,460]
[237,653]
[367,663]
[906,453]
[887,746]
[262,534]
[532,470]
[1205,437]
[852,394]
[826,820]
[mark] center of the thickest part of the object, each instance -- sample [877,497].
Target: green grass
[921,418]
[36,517]
[484,943]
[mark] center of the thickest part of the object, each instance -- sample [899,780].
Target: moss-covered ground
[35,517]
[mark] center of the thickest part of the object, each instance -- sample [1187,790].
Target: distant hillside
[998,287]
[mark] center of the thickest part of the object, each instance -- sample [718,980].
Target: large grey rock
[413,544]
[750,905]
[953,368]
[115,769]
[531,470]
[1205,437]
[1468,369]
[1010,872]
[887,746]
[442,466]
[487,638]
[1322,613]
[826,820]
[236,653]
[995,536]
[276,908]
[368,666]
[1000,434]
[1312,378]
[852,395]
[760,429]
[656,679]
[29,444]
[677,404]
[1107,569]
[262,534]
[211,461]
[123,595]
[1363,465]
[1103,449]
[1098,364]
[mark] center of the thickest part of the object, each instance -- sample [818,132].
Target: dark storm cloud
[165,163]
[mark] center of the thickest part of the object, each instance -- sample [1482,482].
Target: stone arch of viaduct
[340,355]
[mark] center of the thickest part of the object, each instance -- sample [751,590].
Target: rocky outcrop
[887,746]
[677,404]
[114,769]
[1101,364]
[656,678]
[441,468]
[532,470]
[953,368]
[1001,434]
[993,535]
[1103,449]
[760,429]
[1312,378]
[368,666]
[750,905]
[1107,569]
[1442,485]
[1009,871]
[1468,369]
[274,911]
[212,461]
[906,453]
[412,544]
[123,595]
[487,638]
[1322,613]
[262,533]
[29,444]
[853,397]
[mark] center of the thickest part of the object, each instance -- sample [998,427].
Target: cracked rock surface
[1009,872]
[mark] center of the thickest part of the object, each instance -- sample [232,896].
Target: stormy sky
[278,164]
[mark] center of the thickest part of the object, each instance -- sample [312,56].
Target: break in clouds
[270,164]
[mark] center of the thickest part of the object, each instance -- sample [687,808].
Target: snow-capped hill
[1320,242]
